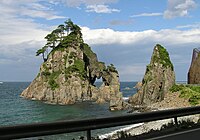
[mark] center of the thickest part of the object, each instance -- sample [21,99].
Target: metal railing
[42,129]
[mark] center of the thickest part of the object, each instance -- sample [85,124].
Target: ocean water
[16,110]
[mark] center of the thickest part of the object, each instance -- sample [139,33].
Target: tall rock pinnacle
[158,78]
[194,71]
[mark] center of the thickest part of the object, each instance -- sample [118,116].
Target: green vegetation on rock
[46,70]
[70,40]
[112,68]
[176,88]
[72,55]
[148,68]
[51,77]
[46,73]
[58,48]
[53,84]
[58,39]
[190,92]
[87,50]
[101,66]
[163,57]
[52,81]
[79,67]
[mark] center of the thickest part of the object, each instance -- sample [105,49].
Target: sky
[121,32]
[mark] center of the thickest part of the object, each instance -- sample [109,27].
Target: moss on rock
[78,67]
[163,57]
[87,50]
[51,80]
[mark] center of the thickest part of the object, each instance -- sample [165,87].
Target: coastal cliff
[69,72]
[194,70]
[158,79]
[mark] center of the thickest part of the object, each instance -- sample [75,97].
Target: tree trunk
[43,57]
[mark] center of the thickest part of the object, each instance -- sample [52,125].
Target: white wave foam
[125,98]
[127,128]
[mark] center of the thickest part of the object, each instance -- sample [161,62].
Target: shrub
[176,88]
[112,68]
[79,67]
[190,92]
[46,73]
[192,96]
[195,88]
[53,84]
[52,81]
[87,50]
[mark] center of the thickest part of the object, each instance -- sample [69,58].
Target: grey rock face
[68,77]
[194,71]
[158,79]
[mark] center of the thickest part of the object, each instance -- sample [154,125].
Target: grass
[190,92]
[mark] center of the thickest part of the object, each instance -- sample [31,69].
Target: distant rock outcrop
[158,78]
[194,71]
[68,75]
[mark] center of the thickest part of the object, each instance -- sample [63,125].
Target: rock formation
[68,75]
[158,78]
[194,71]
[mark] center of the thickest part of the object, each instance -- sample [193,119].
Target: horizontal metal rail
[52,128]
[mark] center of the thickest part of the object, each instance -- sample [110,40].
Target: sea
[15,110]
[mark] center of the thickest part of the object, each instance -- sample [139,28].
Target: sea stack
[158,79]
[69,72]
[194,71]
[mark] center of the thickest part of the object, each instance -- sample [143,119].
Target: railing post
[176,121]
[88,134]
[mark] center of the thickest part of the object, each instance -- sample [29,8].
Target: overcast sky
[122,32]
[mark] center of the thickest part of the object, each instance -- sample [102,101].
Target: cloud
[20,37]
[179,8]
[18,61]
[77,3]
[195,25]
[100,9]
[18,30]
[17,52]
[147,15]
[165,36]
[32,9]
[40,14]
[97,6]
[17,21]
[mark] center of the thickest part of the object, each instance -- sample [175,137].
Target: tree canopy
[59,34]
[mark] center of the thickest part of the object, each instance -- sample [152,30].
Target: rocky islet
[69,72]
[158,79]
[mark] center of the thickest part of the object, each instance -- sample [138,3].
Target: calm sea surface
[16,110]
